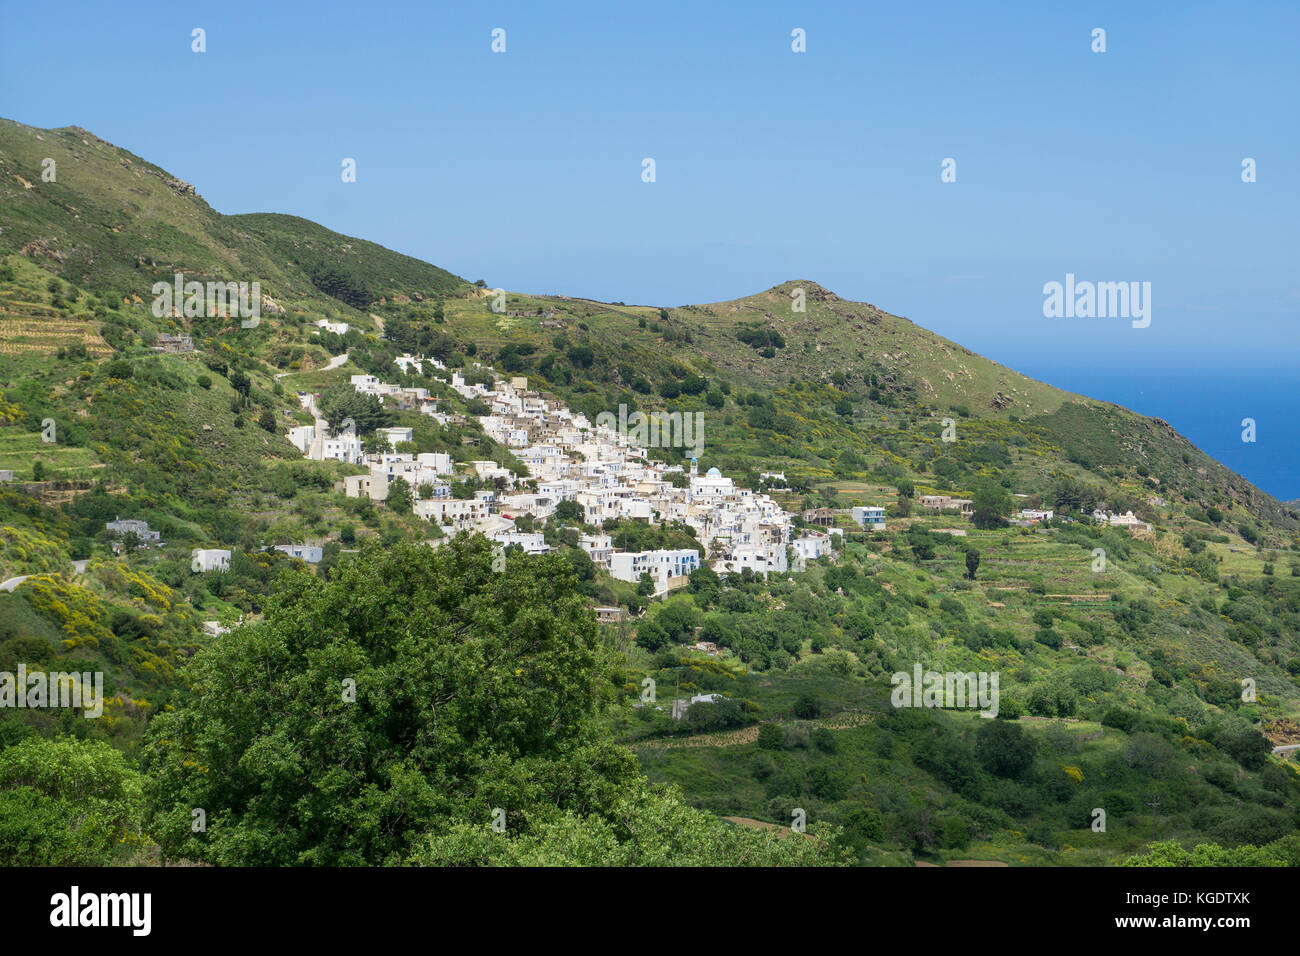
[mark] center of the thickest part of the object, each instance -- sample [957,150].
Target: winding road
[78,567]
[329,366]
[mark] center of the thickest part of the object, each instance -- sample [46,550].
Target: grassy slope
[112,220]
[302,243]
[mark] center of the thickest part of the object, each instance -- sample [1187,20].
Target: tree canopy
[392,713]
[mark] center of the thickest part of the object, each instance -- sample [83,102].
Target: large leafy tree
[415,688]
[475,692]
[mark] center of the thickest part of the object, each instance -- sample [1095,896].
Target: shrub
[771,736]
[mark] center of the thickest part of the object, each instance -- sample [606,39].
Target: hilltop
[110,220]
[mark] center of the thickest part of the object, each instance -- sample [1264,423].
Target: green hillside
[115,223]
[355,270]
[1122,684]
[841,378]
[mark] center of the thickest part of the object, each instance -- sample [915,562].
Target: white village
[606,469]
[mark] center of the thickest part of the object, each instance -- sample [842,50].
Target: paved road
[1276,750]
[333,363]
[10,585]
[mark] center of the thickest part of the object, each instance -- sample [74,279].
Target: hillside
[841,377]
[110,220]
[1119,681]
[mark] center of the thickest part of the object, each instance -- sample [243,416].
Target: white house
[1128,520]
[599,547]
[712,486]
[661,564]
[457,512]
[210,559]
[761,559]
[811,546]
[338,328]
[439,461]
[302,437]
[344,448]
[395,435]
[531,543]
[308,553]
[490,471]
[372,486]
[870,517]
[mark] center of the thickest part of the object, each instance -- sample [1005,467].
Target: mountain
[1128,672]
[110,220]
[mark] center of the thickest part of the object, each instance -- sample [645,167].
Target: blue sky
[523,168]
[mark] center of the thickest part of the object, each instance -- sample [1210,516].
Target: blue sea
[1207,406]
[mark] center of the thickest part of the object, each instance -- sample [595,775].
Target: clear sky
[524,168]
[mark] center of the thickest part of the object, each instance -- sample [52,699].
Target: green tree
[1170,853]
[415,689]
[1004,748]
[341,402]
[568,511]
[990,506]
[400,497]
[67,802]
[240,383]
[807,707]
[651,635]
[972,562]
[581,356]
[705,585]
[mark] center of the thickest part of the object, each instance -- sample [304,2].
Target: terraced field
[19,451]
[19,334]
